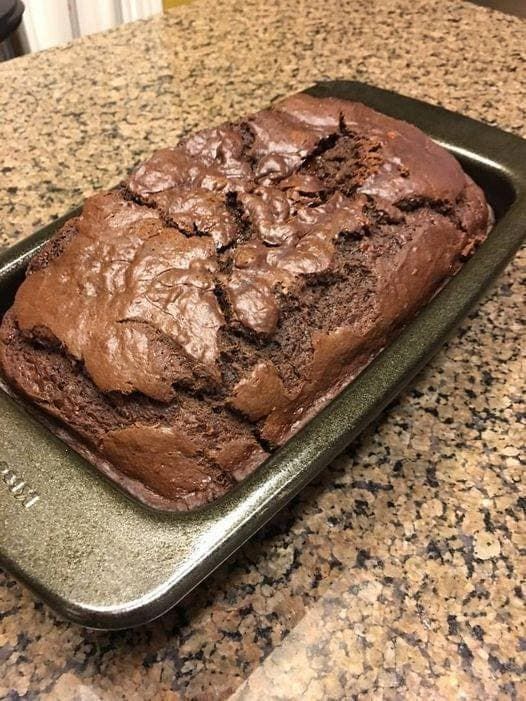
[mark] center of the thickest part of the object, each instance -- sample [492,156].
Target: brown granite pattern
[398,574]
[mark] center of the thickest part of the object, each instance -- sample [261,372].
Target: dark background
[513,7]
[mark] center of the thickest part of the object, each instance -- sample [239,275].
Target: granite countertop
[398,573]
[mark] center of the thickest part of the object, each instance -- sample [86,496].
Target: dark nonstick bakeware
[105,561]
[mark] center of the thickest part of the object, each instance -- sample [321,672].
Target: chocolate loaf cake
[187,324]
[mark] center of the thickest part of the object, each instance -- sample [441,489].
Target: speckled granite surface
[398,573]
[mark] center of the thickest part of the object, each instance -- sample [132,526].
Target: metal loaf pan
[105,561]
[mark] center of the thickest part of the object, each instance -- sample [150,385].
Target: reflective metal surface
[104,561]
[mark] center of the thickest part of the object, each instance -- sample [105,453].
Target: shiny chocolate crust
[187,324]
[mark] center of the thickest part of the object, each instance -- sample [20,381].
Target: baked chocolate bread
[188,323]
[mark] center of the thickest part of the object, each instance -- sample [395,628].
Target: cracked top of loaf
[186,324]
